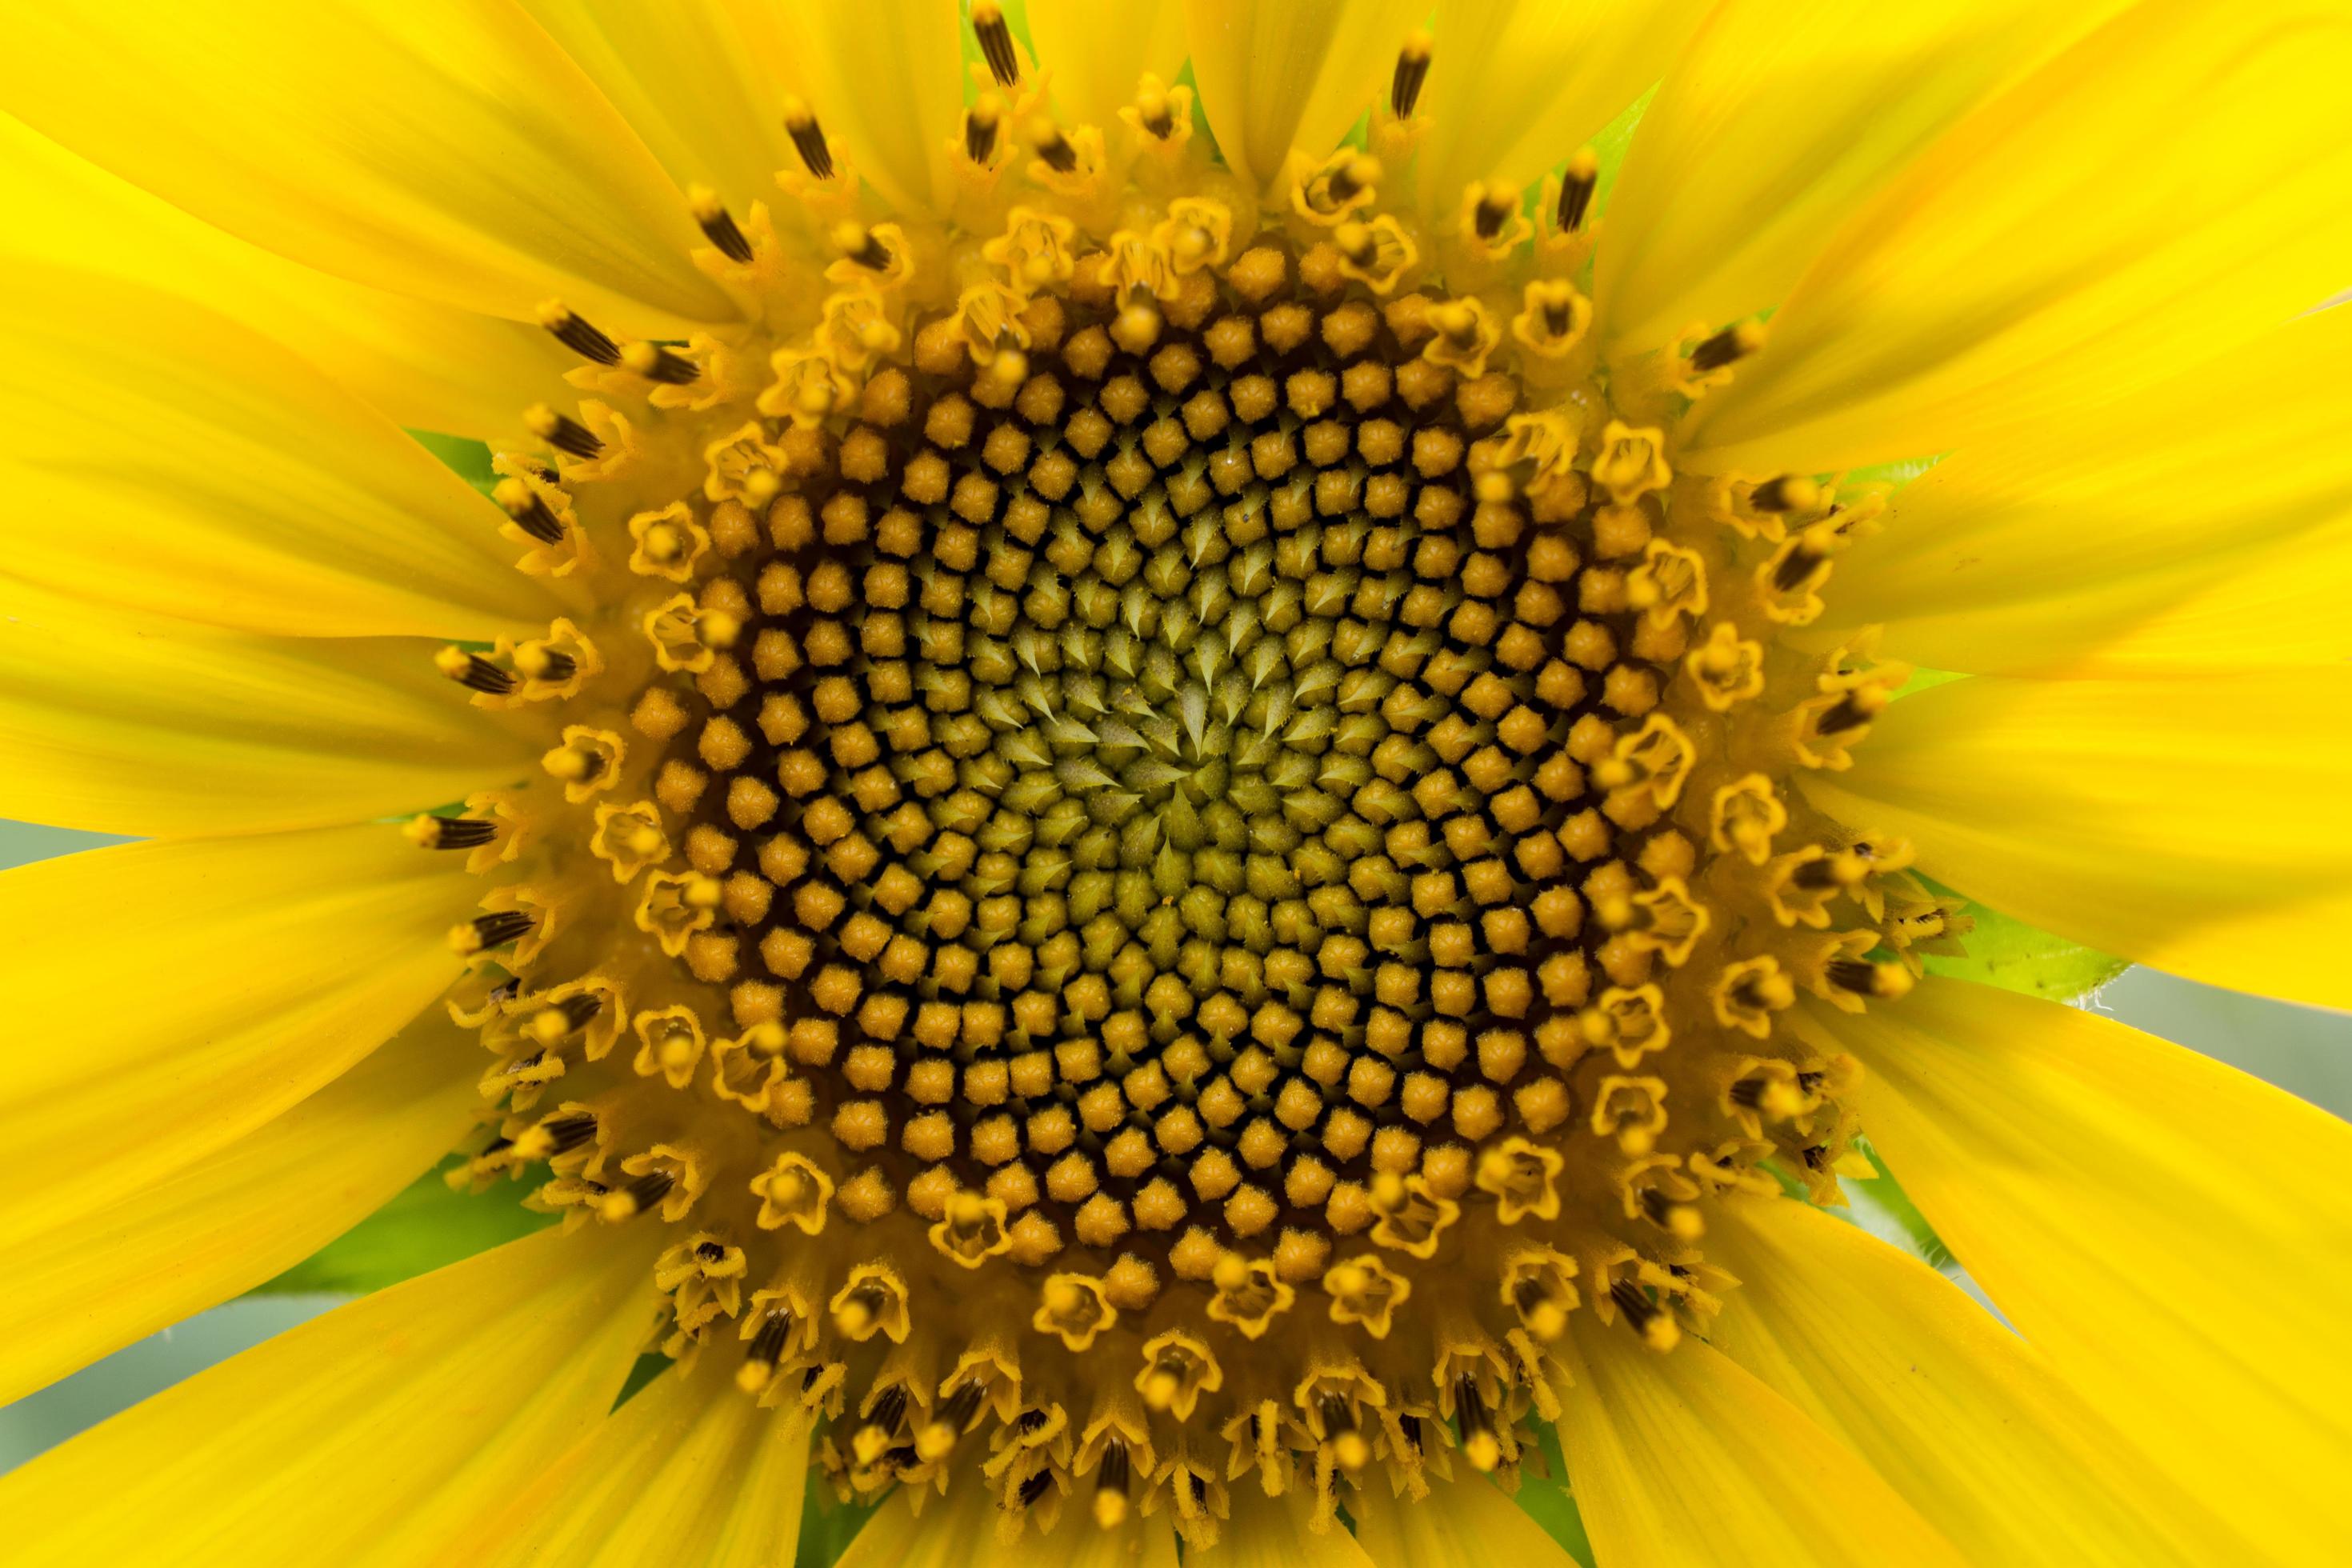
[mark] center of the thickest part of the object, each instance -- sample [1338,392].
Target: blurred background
[2303,1050]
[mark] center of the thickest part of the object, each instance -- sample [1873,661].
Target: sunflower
[1189,768]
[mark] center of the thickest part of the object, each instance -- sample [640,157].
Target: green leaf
[1550,1504]
[424,1228]
[2006,952]
[827,1524]
[468,458]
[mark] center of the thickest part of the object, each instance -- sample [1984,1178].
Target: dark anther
[567,1132]
[1029,1420]
[1112,1474]
[889,1409]
[497,930]
[767,1344]
[530,511]
[1815,1155]
[651,1188]
[1810,1082]
[717,225]
[980,132]
[562,432]
[708,1251]
[1730,344]
[1411,1424]
[1638,1309]
[576,334]
[962,1406]
[551,664]
[474,673]
[1034,1486]
[1412,70]
[995,41]
[655,363]
[808,139]
[1846,715]
[496,1146]
[1576,183]
[460,832]
[868,252]
[1056,149]
[1494,211]
[1656,1204]
[1471,1406]
[1789,492]
[1794,568]
[1748,1093]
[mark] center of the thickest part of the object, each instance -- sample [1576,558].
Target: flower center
[1126,799]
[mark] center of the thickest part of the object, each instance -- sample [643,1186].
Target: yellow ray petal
[2122,536]
[1516,85]
[192,1236]
[129,724]
[424,365]
[359,1432]
[1274,1532]
[1685,1458]
[160,455]
[1773,126]
[434,148]
[1097,53]
[692,78]
[1278,74]
[2165,1230]
[166,997]
[959,1530]
[2194,825]
[2163,190]
[1465,1522]
[1958,1414]
[887,77]
[691,1470]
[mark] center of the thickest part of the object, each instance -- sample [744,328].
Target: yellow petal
[362,1433]
[1099,53]
[2165,188]
[693,79]
[1516,85]
[1773,126]
[82,1287]
[1274,1532]
[129,724]
[1685,1458]
[421,364]
[1278,74]
[1958,1414]
[691,1470]
[885,77]
[959,1530]
[159,454]
[165,998]
[2168,1232]
[1465,1522]
[2194,825]
[437,148]
[2123,537]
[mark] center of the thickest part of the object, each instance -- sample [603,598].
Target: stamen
[1789,492]
[1111,1478]
[474,672]
[1576,187]
[577,334]
[562,432]
[1495,206]
[862,245]
[539,662]
[530,511]
[655,363]
[449,832]
[981,127]
[1412,70]
[808,138]
[995,41]
[1053,146]
[484,932]
[1733,343]
[718,224]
